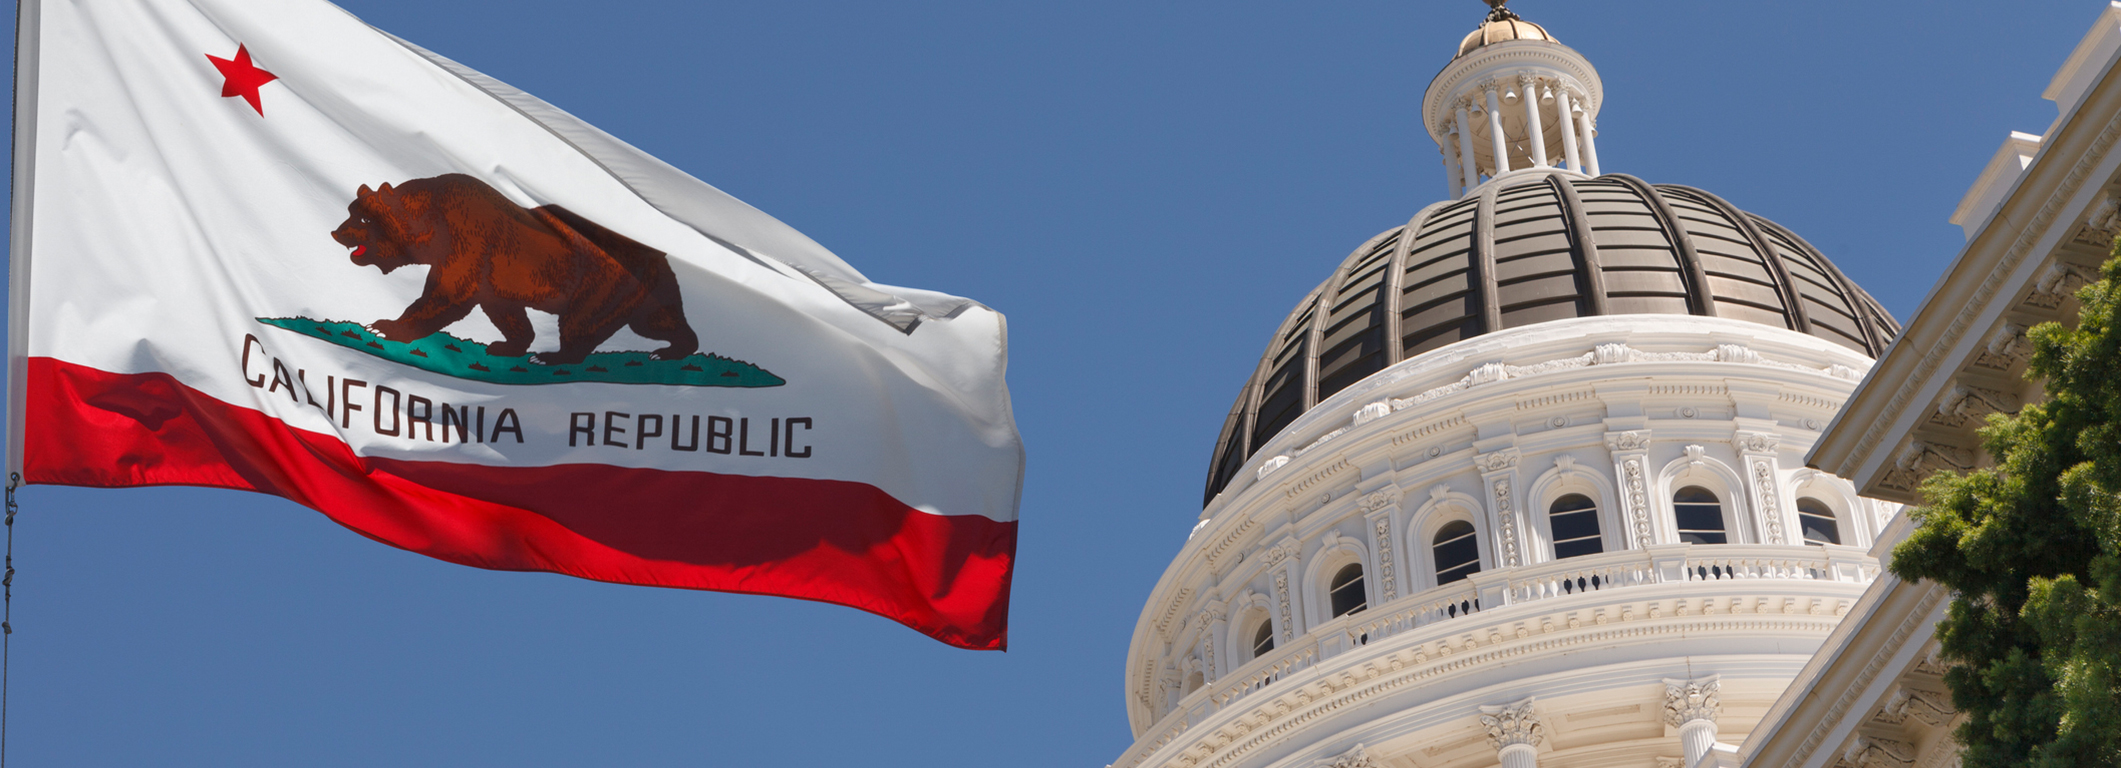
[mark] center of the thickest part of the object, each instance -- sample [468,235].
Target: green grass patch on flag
[449,355]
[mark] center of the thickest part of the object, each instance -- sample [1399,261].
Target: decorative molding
[2060,281]
[1506,512]
[1638,500]
[1770,508]
[1281,593]
[1927,706]
[1634,440]
[1694,456]
[1918,459]
[1385,497]
[2007,347]
[1496,461]
[1964,401]
[1615,354]
[1689,700]
[2102,223]
[1384,559]
[1512,724]
[1354,758]
[1756,442]
[1866,751]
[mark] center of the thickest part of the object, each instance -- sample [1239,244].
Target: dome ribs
[1699,299]
[1483,274]
[1536,271]
[1529,250]
[1396,279]
[1800,320]
[1590,274]
[1862,309]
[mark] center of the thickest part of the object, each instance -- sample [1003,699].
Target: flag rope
[7,607]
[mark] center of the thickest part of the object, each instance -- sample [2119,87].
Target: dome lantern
[1514,99]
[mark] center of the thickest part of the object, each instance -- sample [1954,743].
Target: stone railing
[1577,576]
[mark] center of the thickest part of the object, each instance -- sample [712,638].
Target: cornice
[1990,269]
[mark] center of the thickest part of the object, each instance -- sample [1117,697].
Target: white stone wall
[1624,410]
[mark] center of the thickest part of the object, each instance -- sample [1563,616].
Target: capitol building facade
[1523,481]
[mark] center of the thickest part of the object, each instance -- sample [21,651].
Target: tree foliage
[2031,550]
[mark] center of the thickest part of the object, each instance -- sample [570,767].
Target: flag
[259,244]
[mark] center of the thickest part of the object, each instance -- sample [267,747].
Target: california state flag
[259,244]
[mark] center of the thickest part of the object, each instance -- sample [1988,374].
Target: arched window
[1457,552]
[1263,638]
[1574,520]
[1816,519]
[1700,516]
[1347,592]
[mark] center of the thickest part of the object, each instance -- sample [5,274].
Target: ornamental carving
[1965,402]
[1281,593]
[1770,509]
[1927,706]
[1689,700]
[1512,724]
[1496,461]
[2006,348]
[1879,752]
[1919,459]
[1504,512]
[1354,758]
[2102,223]
[1384,558]
[1614,354]
[1638,500]
[1757,442]
[2059,282]
[1627,441]
[1379,500]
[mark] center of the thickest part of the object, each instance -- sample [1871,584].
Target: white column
[1515,732]
[1586,133]
[1692,706]
[1528,91]
[1568,128]
[1502,147]
[1465,147]
[1450,164]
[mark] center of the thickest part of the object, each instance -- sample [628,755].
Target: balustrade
[1543,581]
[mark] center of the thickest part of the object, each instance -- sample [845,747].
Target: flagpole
[20,218]
[24,161]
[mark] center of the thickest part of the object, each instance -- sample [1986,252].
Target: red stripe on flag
[833,541]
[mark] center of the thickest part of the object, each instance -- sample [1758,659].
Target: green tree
[2031,550]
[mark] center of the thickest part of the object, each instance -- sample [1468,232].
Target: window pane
[1818,522]
[1263,640]
[1571,503]
[1578,548]
[1349,599]
[1457,552]
[1575,525]
[1699,516]
[1702,537]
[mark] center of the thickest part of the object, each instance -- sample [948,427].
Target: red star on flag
[241,78]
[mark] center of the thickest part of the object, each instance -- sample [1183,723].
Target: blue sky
[1144,188]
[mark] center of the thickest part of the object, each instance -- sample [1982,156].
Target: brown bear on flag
[483,250]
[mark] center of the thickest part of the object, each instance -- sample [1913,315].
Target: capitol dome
[1531,248]
[1521,484]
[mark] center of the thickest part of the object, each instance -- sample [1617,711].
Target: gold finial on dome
[1502,25]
